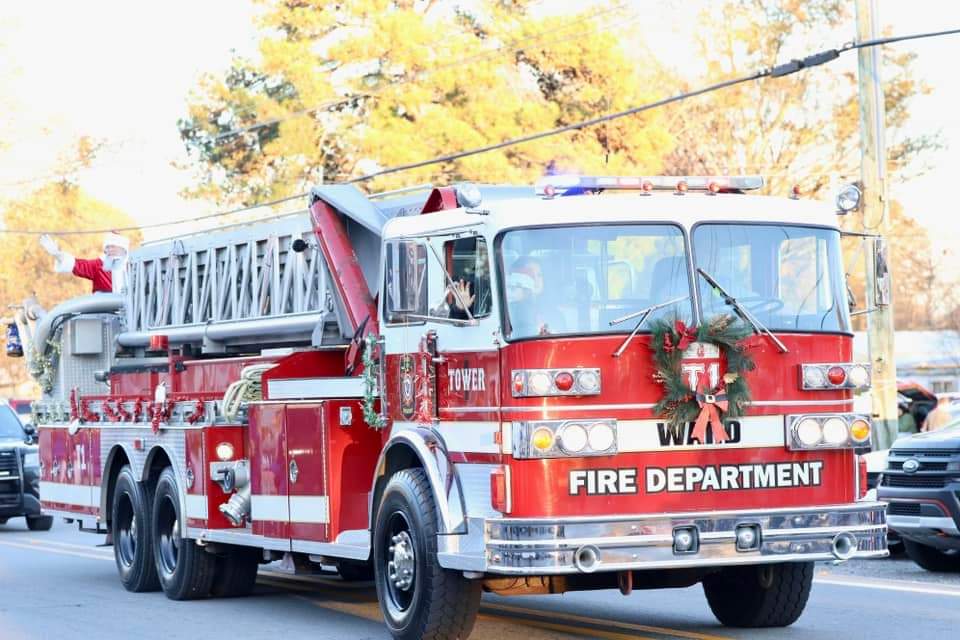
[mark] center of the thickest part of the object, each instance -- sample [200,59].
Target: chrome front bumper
[557,546]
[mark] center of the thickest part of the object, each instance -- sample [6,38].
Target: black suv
[19,473]
[921,485]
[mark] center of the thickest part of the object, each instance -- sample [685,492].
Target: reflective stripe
[293,388]
[79,494]
[307,509]
[312,509]
[655,435]
[464,436]
[276,508]
[197,506]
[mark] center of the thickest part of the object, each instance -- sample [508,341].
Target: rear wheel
[933,559]
[236,572]
[39,523]
[769,595]
[130,532]
[418,597]
[185,569]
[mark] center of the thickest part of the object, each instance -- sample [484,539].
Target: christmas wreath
[706,407]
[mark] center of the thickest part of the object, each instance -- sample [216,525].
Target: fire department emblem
[407,396]
[701,366]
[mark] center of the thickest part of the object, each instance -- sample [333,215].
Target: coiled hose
[248,388]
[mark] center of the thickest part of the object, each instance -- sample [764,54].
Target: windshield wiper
[643,313]
[742,311]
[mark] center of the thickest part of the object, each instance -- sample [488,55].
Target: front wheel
[933,559]
[418,597]
[186,571]
[39,523]
[768,595]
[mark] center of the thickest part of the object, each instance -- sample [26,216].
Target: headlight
[809,432]
[31,459]
[835,431]
[602,437]
[573,438]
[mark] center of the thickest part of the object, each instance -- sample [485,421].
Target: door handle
[294,472]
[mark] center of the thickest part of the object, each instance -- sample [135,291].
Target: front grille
[903,509]
[924,465]
[921,453]
[927,482]
[8,468]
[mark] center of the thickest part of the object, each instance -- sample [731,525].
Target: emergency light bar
[550,186]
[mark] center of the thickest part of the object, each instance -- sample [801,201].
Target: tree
[28,269]
[347,88]
[800,129]
[918,283]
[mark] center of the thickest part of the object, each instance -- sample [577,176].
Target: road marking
[890,585]
[85,547]
[676,633]
[36,547]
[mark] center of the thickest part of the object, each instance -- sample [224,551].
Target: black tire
[351,571]
[39,523]
[185,569]
[429,603]
[933,559]
[770,595]
[235,574]
[130,531]
[3,521]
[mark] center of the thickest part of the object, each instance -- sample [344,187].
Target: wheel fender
[178,472]
[431,451]
[105,480]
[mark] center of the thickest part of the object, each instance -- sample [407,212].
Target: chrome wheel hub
[402,562]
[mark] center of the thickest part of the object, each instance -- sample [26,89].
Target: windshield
[10,425]
[789,277]
[575,280]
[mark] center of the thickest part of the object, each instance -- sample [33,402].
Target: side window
[468,264]
[405,288]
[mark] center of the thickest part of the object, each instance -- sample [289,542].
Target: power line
[507,47]
[776,71]
[153,225]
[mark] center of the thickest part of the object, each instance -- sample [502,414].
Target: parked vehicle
[922,486]
[20,473]
[455,391]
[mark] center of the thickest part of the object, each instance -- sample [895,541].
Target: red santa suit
[106,273]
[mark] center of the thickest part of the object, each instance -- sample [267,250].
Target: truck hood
[946,438]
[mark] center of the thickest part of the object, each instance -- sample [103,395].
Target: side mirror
[881,293]
[31,432]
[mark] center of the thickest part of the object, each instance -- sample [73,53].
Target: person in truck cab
[906,422]
[524,293]
[106,272]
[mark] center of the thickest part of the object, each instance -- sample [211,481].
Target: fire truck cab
[452,391]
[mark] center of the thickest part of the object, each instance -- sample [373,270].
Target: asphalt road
[59,584]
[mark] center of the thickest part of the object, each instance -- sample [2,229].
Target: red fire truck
[463,389]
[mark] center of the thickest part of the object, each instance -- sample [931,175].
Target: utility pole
[873,174]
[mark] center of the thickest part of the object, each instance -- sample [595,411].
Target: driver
[524,295]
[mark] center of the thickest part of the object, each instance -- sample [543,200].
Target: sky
[121,71]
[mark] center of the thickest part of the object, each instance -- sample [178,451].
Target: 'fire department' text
[723,477]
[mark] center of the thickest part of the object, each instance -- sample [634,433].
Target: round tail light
[836,375]
[563,381]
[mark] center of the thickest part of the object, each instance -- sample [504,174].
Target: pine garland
[669,339]
[370,392]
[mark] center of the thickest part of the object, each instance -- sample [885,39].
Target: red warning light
[682,187]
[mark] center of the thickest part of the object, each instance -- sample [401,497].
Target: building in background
[928,358]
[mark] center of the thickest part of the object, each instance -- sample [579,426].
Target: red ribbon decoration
[686,335]
[711,404]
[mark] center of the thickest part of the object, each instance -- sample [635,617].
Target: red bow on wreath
[686,334]
[711,404]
